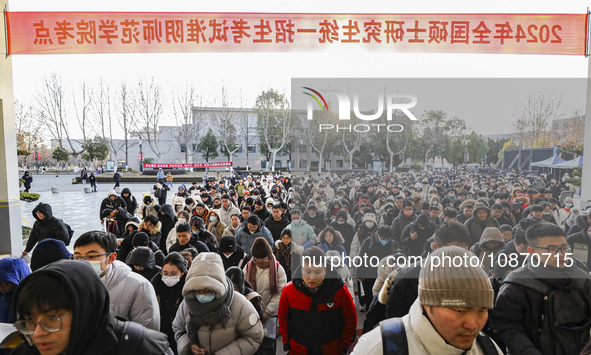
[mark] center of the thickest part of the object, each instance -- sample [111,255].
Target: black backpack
[564,330]
[394,339]
[131,336]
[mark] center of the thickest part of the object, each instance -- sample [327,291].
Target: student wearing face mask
[183,217]
[366,228]
[215,226]
[213,318]
[169,286]
[132,297]
[315,218]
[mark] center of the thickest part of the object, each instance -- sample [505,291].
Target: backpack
[394,339]
[157,193]
[70,232]
[564,330]
[131,336]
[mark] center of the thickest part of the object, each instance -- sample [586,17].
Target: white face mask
[96,265]
[295,221]
[369,224]
[171,280]
[182,220]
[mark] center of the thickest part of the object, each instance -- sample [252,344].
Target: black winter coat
[415,247]
[130,201]
[239,258]
[581,238]
[168,220]
[169,299]
[193,243]
[276,227]
[373,248]
[403,292]
[112,204]
[49,227]
[517,316]
[94,330]
[399,224]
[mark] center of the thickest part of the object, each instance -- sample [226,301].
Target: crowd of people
[227,266]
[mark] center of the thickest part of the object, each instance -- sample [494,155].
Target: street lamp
[141,157]
[36,159]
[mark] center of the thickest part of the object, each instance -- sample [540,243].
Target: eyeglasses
[266,258]
[90,257]
[555,250]
[50,324]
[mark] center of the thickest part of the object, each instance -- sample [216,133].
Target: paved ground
[77,208]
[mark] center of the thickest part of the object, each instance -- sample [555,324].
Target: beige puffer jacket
[243,333]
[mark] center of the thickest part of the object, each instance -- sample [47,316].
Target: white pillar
[11,241]
[586,178]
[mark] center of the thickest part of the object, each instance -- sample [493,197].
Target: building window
[183,148]
[314,165]
[252,148]
[303,164]
[194,147]
[239,149]
[303,148]
[339,163]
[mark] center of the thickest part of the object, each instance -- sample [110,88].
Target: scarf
[212,313]
[252,275]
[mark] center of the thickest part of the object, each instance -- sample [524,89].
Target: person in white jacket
[451,310]
[132,296]
[267,277]
[213,318]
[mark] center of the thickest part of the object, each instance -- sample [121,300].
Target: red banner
[129,32]
[202,165]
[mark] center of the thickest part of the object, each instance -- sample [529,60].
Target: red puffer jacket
[320,323]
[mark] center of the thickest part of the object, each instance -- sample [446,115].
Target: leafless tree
[28,129]
[225,129]
[50,105]
[273,121]
[149,99]
[189,121]
[351,143]
[538,115]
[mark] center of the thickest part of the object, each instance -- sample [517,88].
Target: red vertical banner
[128,32]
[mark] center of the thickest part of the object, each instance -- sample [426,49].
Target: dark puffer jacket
[94,330]
[48,227]
[144,257]
[130,202]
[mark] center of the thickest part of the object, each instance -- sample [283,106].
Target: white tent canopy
[549,163]
[578,161]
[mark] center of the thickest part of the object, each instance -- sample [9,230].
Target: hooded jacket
[112,204]
[49,227]
[144,257]
[130,202]
[94,330]
[12,270]
[580,224]
[243,331]
[121,218]
[155,233]
[245,240]
[475,226]
[491,235]
[421,335]
[132,296]
[323,322]
[168,220]
[347,230]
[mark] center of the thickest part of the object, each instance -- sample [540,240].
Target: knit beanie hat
[261,248]
[140,239]
[448,279]
[47,251]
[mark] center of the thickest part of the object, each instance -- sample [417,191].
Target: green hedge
[29,196]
